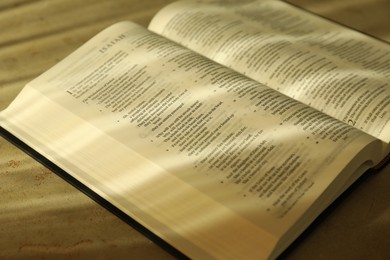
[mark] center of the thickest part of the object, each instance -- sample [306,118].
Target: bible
[224,128]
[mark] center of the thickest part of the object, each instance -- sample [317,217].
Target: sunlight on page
[201,149]
[305,57]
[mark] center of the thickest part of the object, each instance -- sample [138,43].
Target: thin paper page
[324,65]
[172,209]
[219,139]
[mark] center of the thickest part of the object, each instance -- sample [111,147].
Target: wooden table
[42,216]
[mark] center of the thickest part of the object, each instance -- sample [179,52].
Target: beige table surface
[44,217]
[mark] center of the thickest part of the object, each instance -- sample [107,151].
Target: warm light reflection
[135,171]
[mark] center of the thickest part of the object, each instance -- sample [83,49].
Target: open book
[225,129]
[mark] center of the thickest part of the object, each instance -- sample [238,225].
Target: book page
[324,65]
[213,162]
